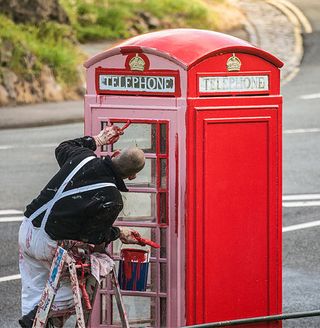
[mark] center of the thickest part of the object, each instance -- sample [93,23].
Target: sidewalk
[267,27]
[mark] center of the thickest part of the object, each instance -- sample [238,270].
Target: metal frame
[157,225]
[279,317]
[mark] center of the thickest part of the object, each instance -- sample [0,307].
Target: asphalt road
[27,162]
[301,157]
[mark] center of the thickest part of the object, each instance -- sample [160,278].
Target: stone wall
[33,11]
[15,90]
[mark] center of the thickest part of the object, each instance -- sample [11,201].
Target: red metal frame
[121,72]
[247,110]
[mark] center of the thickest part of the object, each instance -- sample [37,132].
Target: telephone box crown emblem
[137,63]
[233,63]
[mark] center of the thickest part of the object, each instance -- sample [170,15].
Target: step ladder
[63,260]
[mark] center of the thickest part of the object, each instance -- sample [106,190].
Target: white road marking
[9,278]
[302,200]
[5,147]
[310,96]
[9,212]
[311,130]
[301,197]
[307,203]
[301,226]
[45,145]
[11,219]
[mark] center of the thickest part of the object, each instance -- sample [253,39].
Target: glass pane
[147,233]
[163,138]
[140,135]
[140,311]
[163,312]
[163,173]
[140,207]
[163,277]
[163,208]
[163,243]
[146,177]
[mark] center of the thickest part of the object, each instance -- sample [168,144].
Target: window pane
[140,207]
[163,312]
[140,311]
[140,135]
[163,208]
[163,243]
[163,138]
[163,173]
[146,177]
[163,277]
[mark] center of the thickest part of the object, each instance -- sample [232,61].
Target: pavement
[271,25]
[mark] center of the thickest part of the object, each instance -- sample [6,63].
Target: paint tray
[133,269]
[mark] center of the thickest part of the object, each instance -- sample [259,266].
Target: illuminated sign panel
[136,83]
[234,83]
[150,82]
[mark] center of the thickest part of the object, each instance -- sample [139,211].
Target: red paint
[118,133]
[235,219]
[143,242]
[127,50]
[188,47]
[125,126]
[233,205]
[128,256]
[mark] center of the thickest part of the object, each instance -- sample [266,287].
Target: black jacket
[86,216]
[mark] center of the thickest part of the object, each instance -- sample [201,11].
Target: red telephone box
[205,108]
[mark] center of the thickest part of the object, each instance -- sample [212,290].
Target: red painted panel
[236,247]
[236,179]
[217,66]
[186,46]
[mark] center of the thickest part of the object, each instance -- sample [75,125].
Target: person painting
[81,202]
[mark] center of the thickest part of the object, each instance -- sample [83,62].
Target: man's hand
[128,236]
[107,136]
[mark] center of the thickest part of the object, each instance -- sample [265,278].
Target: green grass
[118,19]
[25,48]
[33,46]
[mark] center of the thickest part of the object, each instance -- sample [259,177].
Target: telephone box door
[237,232]
[149,207]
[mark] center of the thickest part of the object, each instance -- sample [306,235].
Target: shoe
[27,320]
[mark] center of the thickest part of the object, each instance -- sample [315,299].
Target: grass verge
[24,49]
[118,19]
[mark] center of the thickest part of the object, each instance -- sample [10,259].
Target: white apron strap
[60,194]
[61,188]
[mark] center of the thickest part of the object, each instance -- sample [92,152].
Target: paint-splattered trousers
[36,253]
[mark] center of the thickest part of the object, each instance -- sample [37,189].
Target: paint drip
[133,269]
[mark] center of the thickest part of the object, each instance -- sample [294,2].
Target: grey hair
[129,162]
